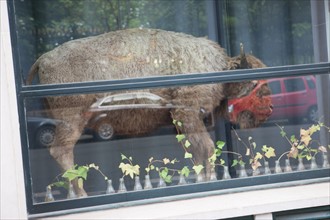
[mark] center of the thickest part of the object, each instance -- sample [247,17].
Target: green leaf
[222,161]
[123,157]
[258,156]
[220,144]
[235,162]
[187,155]
[180,137]
[314,150]
[179,123]
[163,174]
[264,148]
[174,121]
[70,174]
[174,161]
[283,133]
[147,169]
[187,144]
[82,171]
[218,152]
[300,147]
[254,145]
[314,128]
[308,157]
[129,170]
[241,162]
[293,138]
[168,179]
[213,158]
[123,167]
[133,170]
[198,168]
[270,152]
[250,138]
[80,183]
[185,171]
[61,184]
[152,167]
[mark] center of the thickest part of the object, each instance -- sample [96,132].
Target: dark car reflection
[102,124]
[42,130]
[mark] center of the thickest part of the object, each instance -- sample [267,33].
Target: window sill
[222,205]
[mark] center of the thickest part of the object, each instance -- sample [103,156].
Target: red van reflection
[294,98]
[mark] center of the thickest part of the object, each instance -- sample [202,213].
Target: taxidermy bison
[139,53]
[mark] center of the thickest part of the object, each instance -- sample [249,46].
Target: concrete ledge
[221,206]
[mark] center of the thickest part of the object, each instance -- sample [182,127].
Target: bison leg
[202,146]
[62,150]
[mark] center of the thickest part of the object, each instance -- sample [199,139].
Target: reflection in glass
[110,188]
[137,185]
[44,25]
[159,149]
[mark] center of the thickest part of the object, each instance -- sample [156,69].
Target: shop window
[129,100]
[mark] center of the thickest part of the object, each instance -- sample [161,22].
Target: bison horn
[244,62]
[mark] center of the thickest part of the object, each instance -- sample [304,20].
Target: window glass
[275,87]
[148,134]
[279,32]
[45,25]
[294,85]
[310,82]
[136,90]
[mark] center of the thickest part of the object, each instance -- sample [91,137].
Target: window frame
[24,91]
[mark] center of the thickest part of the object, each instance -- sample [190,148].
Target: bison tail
[32,73]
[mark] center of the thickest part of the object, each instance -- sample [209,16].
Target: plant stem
[231,152]
[283,155]
[286,137]
[182,144]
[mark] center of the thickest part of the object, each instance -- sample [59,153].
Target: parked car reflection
[106,125]
[102,125]
[294,98]
[252,109]
[41,131]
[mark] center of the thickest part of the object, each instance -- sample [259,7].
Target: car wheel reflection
[103,131]
[45,135]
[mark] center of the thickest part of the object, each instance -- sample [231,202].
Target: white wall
[13,205]
[327,20]
[12,181]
